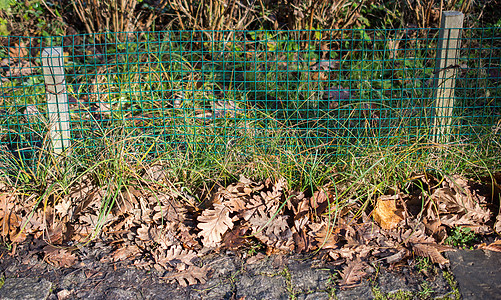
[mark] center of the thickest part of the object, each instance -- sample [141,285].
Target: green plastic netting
[178,91]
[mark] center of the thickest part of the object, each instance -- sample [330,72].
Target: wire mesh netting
[160,93]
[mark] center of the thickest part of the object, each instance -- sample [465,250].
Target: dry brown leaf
[214,223]
[81,232]
[143,233]
[9,223]
[18,51]
[167,209]
[154,174]
[174,256]
[397,257]
[414,233]
[272,230]
[125,252]
[459,205]
[192,275]
[235,238]
[298,203]
[319,76]
[432,251]
[326,237]
[59,257]
[64,294]
[386,213]
[19,69]
[90,219]
[494,246]
[63,207]
[164,237]
[320,201]
[187,238]
[352,274]
[497,223]
[128,200]
[276,192]
[302,241]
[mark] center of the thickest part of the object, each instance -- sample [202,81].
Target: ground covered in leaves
[158,226]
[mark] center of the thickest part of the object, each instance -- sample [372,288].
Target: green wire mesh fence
[160,93]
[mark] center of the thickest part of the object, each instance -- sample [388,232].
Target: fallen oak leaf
[18,51]
[494,246]
[174,256]
[397,257]
[235,238]
[59,257]
[325,236]
[352,274]
[189,276]
[320,201]
[214,223]
[432,251]
[125,252]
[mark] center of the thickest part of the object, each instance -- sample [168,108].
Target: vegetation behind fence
[165,93]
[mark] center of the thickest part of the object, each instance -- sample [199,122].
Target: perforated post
[57,98]
[446,68]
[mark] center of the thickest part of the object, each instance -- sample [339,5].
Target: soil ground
[471,275]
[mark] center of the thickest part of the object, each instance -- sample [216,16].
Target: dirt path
[256,277]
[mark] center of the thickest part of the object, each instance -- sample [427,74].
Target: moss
[455,294]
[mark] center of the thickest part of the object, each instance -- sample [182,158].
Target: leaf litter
[156,228]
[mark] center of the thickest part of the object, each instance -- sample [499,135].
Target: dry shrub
[214,15]
[115,15]
[427,13]
[321,14]
[302,15]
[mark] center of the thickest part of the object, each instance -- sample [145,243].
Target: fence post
[446,67]
[57,99]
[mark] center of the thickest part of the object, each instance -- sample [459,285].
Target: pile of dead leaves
[162,227]
[18,63]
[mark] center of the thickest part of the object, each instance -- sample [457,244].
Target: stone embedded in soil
[214,290]
[25,289]
[261,287]
[390,283]
[306,278]
[314,296]
[477,272]
[406,281]
[120,294]
[363,291]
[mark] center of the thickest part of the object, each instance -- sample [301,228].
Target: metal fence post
[57,99]
[446,67]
